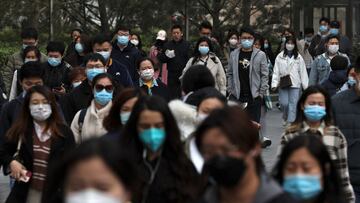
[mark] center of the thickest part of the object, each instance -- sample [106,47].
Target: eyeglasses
[108,88]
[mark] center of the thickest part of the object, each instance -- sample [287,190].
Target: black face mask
[225,170]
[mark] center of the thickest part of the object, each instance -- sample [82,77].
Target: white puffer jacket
[294,66]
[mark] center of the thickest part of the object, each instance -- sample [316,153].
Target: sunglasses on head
[108,88]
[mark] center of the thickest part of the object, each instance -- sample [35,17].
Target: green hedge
[6,50]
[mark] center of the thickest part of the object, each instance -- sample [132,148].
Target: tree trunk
[103,16]
[246,11]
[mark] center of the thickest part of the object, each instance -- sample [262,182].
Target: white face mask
[134,42]
[90,196]
[147,74]
[333,49]
[40,112]
[29,60]
[233,42]
[75,84]
[290,47]
[201,117]
[124,116]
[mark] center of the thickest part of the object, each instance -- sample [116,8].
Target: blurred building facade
[309,13]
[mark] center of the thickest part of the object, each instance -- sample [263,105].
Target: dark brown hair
[112,121]
[25,121]
[75,72]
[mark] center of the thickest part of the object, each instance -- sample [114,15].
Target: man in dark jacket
[30,74]
[176,55]
[346,108]
[80,97]
[124,52]
[56,69]
[102,45]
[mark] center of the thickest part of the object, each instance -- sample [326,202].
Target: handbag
[285,81]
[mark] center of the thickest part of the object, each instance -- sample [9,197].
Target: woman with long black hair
[152,138]
[34,144]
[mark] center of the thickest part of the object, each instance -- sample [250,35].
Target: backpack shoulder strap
[81,121]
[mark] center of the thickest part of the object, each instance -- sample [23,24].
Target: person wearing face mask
[87,174]
[337,77]
[31,53]
[80,97]
[206,101]
[74,34]
[120,112]
[232,43]
[30,74]
[313,115]
[317,45]
[206,30]
[147,81]
[248,75]
[229,143]
[204,56]
[304,45]
[346,108]
[307,173]
[29,37]
[155,50]
[152,138]
[351,82]
[124,52]
[82,47]
[76,76]
[320,68]
[56,69]
[286,34]
[176,55]
[88,122]
[101,44]
[289,77]
[136,41]
[345,43]
[34,144]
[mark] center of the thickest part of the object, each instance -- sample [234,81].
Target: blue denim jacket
[320,69]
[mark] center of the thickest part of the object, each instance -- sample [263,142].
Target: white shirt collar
[43,136]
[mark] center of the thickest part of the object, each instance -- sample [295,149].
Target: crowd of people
[101,120]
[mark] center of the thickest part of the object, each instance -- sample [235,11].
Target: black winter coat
[59,146]
[79,98]
[346,109]
[161,90]
[58,76]
[127,57]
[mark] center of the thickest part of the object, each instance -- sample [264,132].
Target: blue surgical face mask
[105,54]
[54,61]
[91,73]
[204,50]
[103,97]
[351,81]
[153,138]
[124,117]
[314,112]
[334,31]
[79,48]
[323,28]
[123,40]
[303,187]
[266,45]
[247,43]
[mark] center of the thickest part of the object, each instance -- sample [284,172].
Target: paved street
[273,130]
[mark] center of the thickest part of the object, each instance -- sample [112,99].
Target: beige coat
[216,70]
[93,123]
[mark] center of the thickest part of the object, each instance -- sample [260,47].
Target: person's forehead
[176,30]
[94,62]
[103,44]
[333,40]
